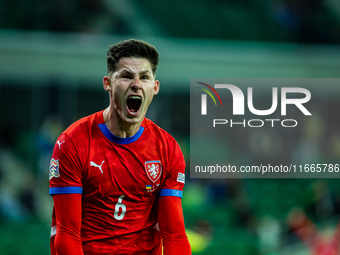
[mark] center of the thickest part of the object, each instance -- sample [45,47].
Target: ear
[107,83]
[156,87]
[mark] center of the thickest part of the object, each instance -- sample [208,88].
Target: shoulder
[82,127]
[164,140]
[76,138]
[157,131]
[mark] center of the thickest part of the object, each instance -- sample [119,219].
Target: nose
[136,84]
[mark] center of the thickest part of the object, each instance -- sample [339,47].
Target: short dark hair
[131,48]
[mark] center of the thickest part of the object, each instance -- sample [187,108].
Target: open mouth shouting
[133,104]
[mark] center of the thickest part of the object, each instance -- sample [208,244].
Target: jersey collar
[117,139]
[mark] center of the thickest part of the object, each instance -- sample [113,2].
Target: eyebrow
[145,72]
[126,71]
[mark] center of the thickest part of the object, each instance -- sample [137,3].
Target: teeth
[134,97]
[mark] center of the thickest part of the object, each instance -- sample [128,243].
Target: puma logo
[99,166]
[59,143]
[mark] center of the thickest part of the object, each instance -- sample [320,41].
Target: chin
[134,119]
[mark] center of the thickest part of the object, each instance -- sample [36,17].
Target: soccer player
[115,176]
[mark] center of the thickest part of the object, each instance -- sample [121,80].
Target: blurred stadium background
[52,57]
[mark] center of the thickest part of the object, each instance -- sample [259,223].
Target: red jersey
[120,180]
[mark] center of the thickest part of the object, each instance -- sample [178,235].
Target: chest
[135,171]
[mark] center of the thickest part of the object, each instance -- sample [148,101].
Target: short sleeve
[65,172]
[174,183]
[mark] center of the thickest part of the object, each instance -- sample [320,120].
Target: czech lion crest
[153,169]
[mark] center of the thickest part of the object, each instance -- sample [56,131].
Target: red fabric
[119,184]
[171,224]
[67,241]
[68,219]
[88,159]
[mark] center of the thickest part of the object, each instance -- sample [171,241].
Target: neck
[117,126]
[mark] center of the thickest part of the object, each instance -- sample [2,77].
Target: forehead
[134,65]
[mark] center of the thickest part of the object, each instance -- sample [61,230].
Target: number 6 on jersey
[117,208]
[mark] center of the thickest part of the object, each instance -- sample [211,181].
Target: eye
[145,77]
[126,76]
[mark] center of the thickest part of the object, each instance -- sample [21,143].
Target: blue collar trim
[117,139]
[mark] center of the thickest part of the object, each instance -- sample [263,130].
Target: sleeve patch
[54,168]
[181,177]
